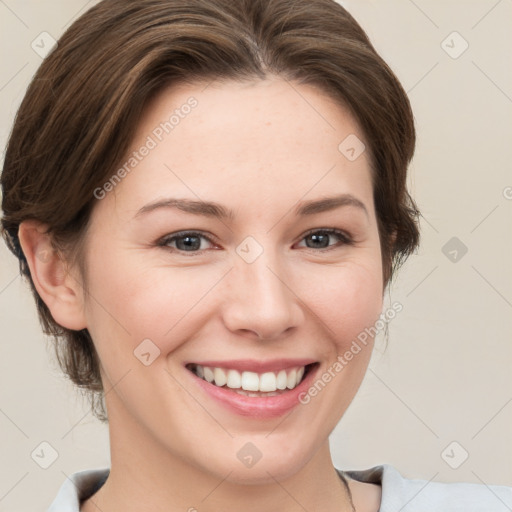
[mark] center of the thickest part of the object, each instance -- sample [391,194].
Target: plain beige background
[442,391]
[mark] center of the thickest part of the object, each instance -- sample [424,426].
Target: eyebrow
[216,210]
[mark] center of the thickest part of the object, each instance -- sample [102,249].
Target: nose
[261,302]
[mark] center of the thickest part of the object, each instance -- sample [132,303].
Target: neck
[145,475]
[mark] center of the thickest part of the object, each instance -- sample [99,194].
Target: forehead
[235,116]
[236,142]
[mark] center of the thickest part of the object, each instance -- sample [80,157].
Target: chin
[259,461]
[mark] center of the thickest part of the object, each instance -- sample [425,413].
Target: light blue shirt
[398,493]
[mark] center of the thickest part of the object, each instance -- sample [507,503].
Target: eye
[190,241]
[319,238]
[187,241]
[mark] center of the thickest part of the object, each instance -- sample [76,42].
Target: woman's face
[264,289]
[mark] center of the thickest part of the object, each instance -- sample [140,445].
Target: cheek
[132,301]
[345,299]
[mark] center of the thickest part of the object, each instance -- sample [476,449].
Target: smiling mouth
[251,383]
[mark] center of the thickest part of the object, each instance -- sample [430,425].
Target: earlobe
[57,287]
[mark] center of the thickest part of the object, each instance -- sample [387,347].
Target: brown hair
[83,106]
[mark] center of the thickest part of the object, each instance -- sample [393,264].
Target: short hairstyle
[84,103]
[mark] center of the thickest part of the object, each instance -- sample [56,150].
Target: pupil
[189,245]
[317,236]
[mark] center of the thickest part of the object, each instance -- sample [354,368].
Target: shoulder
[76,488]
[417,495]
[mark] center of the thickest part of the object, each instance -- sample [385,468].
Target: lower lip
[257,407]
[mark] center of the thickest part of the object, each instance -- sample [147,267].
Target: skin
[257,148]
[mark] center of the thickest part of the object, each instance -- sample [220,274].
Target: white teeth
[234,379]
[281,380]
[208,373]
[268,382]
[291,381]
[250,381]
[220,377]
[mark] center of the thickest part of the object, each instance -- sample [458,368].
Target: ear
[61,292]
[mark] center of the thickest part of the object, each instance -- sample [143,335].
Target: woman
[209,200]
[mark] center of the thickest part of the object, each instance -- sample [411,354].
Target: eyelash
[345,238]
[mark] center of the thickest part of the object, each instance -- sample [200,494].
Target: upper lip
[252,365]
